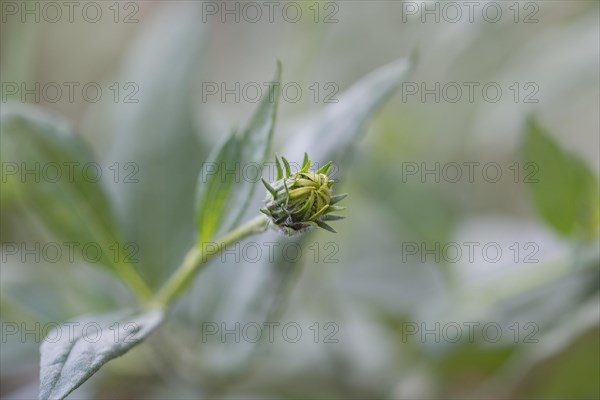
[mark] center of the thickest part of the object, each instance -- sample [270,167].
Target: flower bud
[295,202]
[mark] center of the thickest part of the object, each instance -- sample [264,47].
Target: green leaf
[223,191]
[305,163]
[325,168]
[337,198]
[70,202]
[72,353]
[158,137]
[565,190]
[286,164]
[325,226]
[279,169]
[72,205]
[332,133]
[270,188]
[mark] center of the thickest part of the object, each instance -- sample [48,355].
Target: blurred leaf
[470,365]
[70,203]
[71,354]
[222,193]
[72,207]
[420,212]
[563,376]
[332,133]
[566,190]
[158,136]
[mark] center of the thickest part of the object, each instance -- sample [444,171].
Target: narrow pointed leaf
[270,188]
[325,226]
[221,199]
[331,217]
[305,163]
[279,169]
[325,168]
[335,208]
[215,187]
[288,171]
[337,198]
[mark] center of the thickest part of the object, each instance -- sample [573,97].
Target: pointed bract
[286,164]
[331,217]
[325,226]
[338,197]
[279,169]
[325,168]
[305,163]
[270,188]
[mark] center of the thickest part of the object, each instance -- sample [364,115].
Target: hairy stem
[198,256]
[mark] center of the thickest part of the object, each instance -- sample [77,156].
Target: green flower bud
[296,202]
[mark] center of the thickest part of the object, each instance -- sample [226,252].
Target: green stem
[135,282]
[198,256]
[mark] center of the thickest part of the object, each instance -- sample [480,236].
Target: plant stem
[198,256]
[135,282]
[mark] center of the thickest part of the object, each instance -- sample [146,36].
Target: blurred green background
[545,58]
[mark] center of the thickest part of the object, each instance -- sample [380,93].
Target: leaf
[71,203]
[72,353]
[224,191]
[565,190]
[156,139]
[33,143]
[331,134]
[53,179]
